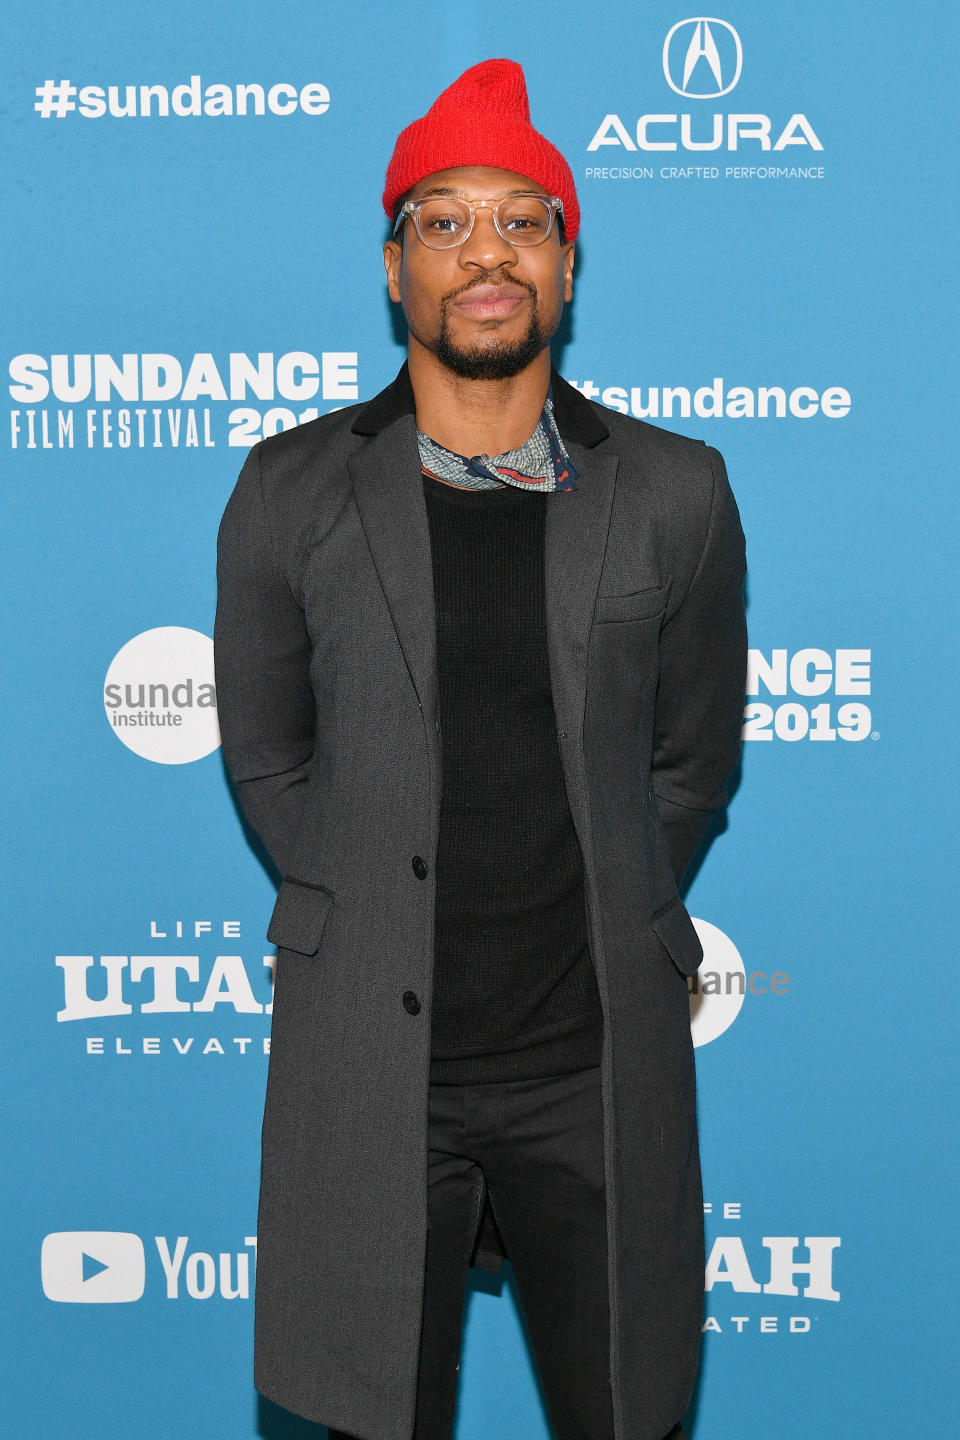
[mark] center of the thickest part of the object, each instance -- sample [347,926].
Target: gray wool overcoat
[327,692]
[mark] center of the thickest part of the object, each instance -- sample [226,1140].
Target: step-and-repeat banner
[193,262]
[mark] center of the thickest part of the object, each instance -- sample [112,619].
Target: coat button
[411,1003]
[419,867]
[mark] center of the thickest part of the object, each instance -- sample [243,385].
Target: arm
[703,661]
[262,659]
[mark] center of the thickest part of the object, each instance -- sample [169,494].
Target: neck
[477,417]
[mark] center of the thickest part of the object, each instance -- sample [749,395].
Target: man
[480,665]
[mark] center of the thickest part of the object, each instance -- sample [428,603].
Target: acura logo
[692,56]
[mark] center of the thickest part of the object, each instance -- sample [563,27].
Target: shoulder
[301,474]
[638,437]
[310,460]
[671,490]
[685,475]
[636,442]
[673,478]
[289,453]
[291,489]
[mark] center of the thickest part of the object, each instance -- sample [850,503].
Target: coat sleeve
[700,695]
[262,660]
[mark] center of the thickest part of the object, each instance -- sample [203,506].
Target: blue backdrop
[193,260]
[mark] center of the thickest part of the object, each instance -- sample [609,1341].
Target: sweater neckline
[473,499]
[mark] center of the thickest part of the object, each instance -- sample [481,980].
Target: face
[485,308]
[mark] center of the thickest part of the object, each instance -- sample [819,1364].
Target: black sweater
[515,995]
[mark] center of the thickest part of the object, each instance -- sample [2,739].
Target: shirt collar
[577,420]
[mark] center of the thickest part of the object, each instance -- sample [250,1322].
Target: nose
[485,248]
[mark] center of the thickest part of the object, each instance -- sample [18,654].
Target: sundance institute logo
[160,696]
[718,989]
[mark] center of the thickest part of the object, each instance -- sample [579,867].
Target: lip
[491,302]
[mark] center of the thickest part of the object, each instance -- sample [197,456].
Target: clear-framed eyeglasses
[443,222]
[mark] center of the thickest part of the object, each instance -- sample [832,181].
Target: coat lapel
[576,537]
[388,489]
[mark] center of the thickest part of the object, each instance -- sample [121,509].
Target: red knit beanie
[482,119]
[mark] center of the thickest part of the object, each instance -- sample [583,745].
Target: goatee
[499,361]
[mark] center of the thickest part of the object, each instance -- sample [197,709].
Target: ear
[568,251]
[392,261]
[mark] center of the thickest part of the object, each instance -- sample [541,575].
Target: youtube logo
[92,1267]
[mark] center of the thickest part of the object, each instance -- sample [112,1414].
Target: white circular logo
[718,987]
[160,696]
[702,51]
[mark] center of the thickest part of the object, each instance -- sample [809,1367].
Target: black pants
[537,1147]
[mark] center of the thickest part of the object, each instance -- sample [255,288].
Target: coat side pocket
[675,930]
[640,605]
[299,917]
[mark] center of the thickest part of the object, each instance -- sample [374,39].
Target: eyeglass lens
[522,219]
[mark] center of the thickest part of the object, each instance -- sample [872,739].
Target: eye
[528,218]
[446,224]
[438,217]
